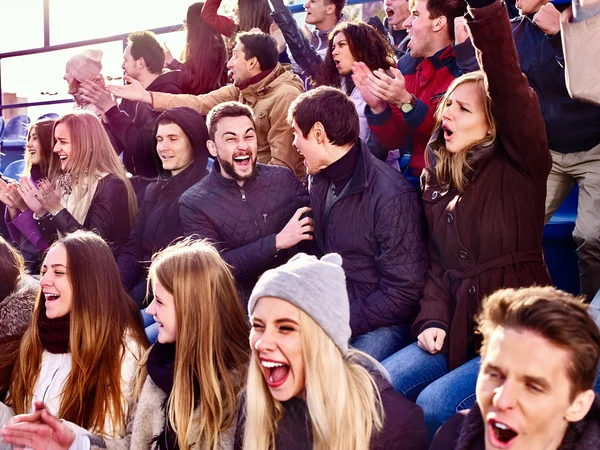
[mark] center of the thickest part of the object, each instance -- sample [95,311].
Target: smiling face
[174,148]
[276,341]
[130,66]
[34,147]
[235,147]
[241,68]
[162,309]
[62,146]
[342,56]
[464,120]
[523,391]
[56,284]
[397,12]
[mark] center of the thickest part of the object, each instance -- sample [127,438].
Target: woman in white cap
[306,388]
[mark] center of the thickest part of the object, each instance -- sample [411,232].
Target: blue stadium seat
[559,245]
[15,169]
[14,139]
[48,116]
[1,126]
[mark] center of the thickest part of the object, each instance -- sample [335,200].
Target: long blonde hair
[452,169]
[92,155]
[211,356]
[102,315]
[343,399]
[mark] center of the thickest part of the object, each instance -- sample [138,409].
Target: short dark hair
[339,6]
[554,315]
[262,46]
[145,45]
[332,108]
[223,110]
[451,9]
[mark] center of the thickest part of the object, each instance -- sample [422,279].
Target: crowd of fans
[326,239]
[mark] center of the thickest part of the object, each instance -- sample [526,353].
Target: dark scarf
[54,333]
[161,366]
[255,79]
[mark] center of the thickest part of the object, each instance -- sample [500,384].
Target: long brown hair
[204,54]
[254,14]
[45,135]
[11,268]
[453,169]
[212,355]
[92,154]
[366,45]
[103,318]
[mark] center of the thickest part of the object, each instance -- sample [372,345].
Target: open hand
[391,90]
[168,55]
[5,194]
[461,30]
[28,193]
[49,197]
[132,91]
[97,95]
[360,74]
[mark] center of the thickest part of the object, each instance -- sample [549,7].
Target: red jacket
[427,79]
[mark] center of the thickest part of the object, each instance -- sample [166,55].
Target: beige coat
[146,421]
[270,100]
[581,44]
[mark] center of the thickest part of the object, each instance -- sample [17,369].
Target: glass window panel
[21,25]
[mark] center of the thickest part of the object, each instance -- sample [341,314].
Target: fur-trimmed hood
[16,309]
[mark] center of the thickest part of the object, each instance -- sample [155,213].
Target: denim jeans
[423,378]
[150,325]
[384,341]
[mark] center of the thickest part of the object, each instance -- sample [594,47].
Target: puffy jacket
[108,216]
[16,309]
[131,127]
[242,221]
[427,79]
[270,99]
[571,125]
[376,224]
[156,226]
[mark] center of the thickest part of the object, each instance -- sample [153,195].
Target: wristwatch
[408,107]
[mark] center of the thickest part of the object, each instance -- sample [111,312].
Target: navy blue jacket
[571,126]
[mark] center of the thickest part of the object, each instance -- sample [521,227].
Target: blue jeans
[423,378]
[384,341]
[150,325]
[449,394]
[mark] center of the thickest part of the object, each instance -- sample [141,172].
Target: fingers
[52,421]
[301,211]
[397,74]
[25,418]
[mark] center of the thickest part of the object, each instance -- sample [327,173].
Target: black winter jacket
[131,127]
[242,221]
[377,225]
[108,216]
[156,226]
[571,125]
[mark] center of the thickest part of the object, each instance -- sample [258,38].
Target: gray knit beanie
[317,287]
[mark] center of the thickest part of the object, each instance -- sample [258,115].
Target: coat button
[434,195]
[463,254]
[472,290]
[450,218]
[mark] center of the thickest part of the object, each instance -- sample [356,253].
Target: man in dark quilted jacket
[367,212]
[253,213]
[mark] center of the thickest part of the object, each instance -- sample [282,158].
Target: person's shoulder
[286,82]
[199,189]
[447,436]
[386,176]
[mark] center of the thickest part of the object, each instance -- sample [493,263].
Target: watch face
[407,107]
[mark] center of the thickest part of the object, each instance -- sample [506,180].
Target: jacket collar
[358,182]
[228,183]
[262,85]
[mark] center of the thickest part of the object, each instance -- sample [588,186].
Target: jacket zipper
[49,384]
[252,212]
